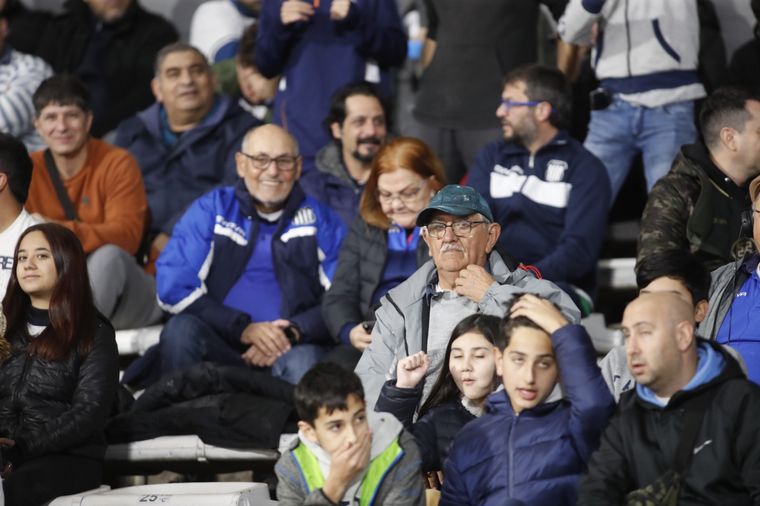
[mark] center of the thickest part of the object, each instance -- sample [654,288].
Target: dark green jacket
[695,207]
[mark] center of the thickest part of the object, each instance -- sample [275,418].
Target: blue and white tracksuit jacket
[646,50]
[213,242]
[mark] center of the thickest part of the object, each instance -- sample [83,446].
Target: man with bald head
[682,381]
[245,269]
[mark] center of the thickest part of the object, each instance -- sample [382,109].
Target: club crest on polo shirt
[555,170]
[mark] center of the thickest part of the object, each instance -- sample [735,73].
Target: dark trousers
[40,480]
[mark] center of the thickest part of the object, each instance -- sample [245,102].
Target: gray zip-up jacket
[724,283]
[399,325]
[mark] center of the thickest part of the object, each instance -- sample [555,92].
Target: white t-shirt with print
[8,239]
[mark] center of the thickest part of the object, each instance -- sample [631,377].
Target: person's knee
[181,335]
[295,363]
[108,262]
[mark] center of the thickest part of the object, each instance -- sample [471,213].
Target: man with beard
[548,193]
[358,126]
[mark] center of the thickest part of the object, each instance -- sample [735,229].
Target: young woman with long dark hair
[58,384]
[457,396]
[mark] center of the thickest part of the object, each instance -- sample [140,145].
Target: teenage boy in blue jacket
[532,444]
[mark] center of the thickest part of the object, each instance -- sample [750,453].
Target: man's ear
[700,311]
[543,111]
[728,138]
[308,431]
[337,132]
[88,120]
[240,164]
[494,231]
[685,336]
[498,357]
[426,237]
[155,87]
[3,181]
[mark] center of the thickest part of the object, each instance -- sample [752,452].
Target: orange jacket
[107,194]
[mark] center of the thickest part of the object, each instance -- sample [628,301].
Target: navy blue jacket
[326,178]
[434,431]
[319,56]
[538,456]
[211,247]
[552,206]
[201,159]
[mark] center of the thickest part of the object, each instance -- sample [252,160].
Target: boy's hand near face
[411,370]
[541,311]
[346,464]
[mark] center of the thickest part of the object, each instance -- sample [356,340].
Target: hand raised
[411,370]
[293,11]
[541,311]
[339,9]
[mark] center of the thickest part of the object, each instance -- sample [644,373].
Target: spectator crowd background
[267,179]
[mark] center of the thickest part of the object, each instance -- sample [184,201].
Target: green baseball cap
[456,200]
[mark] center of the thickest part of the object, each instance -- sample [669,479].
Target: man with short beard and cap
[682,380]
[465,276]
[357,123]
[246,267]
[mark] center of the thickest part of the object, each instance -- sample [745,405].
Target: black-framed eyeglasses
[284,163]
[463,228]
[406,197]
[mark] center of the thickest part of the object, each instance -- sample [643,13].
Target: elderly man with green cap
[465,276]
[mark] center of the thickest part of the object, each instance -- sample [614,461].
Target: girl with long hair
[57,386]
[457,396]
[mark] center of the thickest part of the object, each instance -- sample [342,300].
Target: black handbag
[665,490]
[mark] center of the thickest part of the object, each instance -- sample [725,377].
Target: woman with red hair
[383,246]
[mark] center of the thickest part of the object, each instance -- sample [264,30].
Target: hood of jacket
[329,160]
[151,118]
[714,366]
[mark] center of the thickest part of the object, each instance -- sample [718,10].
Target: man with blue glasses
[548,193]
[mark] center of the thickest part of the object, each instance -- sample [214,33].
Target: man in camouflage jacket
[697,206]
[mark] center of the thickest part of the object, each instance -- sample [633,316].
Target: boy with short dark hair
[345,455]
[532,444]
[673,271]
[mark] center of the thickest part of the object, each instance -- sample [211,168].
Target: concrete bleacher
[184,494]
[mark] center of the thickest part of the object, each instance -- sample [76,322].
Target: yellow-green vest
[373,478]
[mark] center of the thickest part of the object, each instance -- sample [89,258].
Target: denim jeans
[622,130]
[186,341]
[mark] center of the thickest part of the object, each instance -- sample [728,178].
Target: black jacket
[223,405]
[123,54]
[640,442]
[434,431]
[360,268]
[58,407]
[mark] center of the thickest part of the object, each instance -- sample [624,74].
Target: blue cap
[456,200]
